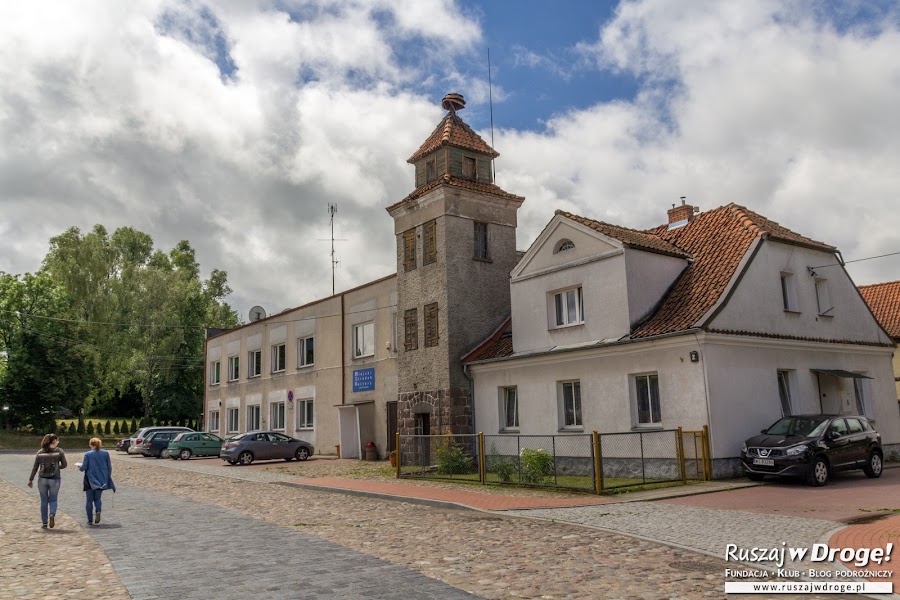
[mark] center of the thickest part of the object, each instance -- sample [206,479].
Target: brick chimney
[681,215]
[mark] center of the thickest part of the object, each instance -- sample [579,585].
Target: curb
[381,496]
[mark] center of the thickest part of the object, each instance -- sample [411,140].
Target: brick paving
[487,554]
[876,534]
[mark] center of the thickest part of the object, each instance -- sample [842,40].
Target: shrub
[72,430]
[90,428]
[115,428]
[107,429]
[80,428]
[452,460]
[134,426]
[52,428]
[537,465]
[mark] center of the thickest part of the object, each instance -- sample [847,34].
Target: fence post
[399,454]
[598,465]
[707,458]
[680,446]
[481,468]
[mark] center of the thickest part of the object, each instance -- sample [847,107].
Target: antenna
[332,210]
[491,103]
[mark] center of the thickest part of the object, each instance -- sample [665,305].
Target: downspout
[343,375]
[202,420]
[708,413]
[471,394]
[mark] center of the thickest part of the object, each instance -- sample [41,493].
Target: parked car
[156,442]
[122,445]
[141,435]
[244,448]
[186,445]
[814,447]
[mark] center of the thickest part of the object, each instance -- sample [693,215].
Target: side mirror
[763,430]
[832,435]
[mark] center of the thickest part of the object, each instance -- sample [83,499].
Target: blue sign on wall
[364,380]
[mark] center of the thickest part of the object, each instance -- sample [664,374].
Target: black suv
[812,446]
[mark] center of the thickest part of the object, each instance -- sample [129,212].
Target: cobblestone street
[243,531]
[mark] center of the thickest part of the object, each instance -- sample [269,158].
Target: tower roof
[453,131]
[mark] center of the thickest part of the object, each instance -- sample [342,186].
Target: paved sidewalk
[876,534]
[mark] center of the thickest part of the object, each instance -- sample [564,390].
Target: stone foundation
[450,411]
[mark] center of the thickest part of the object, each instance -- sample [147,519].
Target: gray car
[244,448]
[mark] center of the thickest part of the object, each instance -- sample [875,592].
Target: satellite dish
[257,313]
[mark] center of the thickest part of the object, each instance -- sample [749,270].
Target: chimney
[681,215]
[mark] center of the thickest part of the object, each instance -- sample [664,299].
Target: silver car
[244,448]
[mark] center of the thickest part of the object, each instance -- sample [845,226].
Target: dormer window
[564,245]
[430,170]
[468,167]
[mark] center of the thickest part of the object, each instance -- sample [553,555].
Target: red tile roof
[498,345]
[468,184]
[780,336]
[884,300]
[453,131]
[630,237]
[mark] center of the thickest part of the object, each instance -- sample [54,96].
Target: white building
[724,319]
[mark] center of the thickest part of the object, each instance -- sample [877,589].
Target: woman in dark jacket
[97,469]
[47,465]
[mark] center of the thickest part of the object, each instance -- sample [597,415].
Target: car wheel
[160,454]
[818,472]
[302,453]
[755,477]
[874,466]
[245,458]
[185,454]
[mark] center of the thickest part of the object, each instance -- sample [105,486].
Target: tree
[90,428]
[115,428]
[72,430]
[106,428]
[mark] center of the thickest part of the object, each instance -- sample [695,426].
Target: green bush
[90,428]
[452,460]
[537,465]
[115,428]
[80,428]
[107,429]
[134,426]
[52,428]
[72,430]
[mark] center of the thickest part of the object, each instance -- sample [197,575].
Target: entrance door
[423,428]
[391,426]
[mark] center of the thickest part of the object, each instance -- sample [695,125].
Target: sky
[234,124]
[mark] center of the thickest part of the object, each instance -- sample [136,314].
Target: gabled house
[884,300]
[722,318]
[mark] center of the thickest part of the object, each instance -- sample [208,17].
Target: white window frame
[254,410]
[277,416]
[234,368]
[213,421]
[655,419]
[823,298]
[577,405]
[301,352]
[279,358]
[560,307]
[233,420]
[861,394]
[564,246]
[789,292]
[215,372]
[360,328]
[254,363]
[784,392]
[504,393]
[305,413]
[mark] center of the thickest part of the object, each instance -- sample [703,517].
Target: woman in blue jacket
[97,469]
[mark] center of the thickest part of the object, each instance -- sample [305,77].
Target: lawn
[11,440]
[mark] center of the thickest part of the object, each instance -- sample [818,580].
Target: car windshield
[178,437]
[236,437]
[799,426]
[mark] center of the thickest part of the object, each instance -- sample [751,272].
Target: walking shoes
[52,521]
[97,518]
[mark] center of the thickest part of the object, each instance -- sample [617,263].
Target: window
[859,392]
[305,352]
[364,340]
[788,292]
[430,170]
[784,392]
[647,392]
[570,398]
[854,426]
[233,423]
[276,418]
[509,408]
[429,243]
[215,372]
[305,413]
[254,369]
[409,250]
[278,358]
[411,329]
[567,307]
[253,413]
[481,241]
[233,368]
[213,420]
[469,169]
[564,245]
[823,301]
[431,325]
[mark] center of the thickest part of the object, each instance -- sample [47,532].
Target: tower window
[468,167]
[429,242]
[409,250]
[410,329]
[431,324]
[481,241]
[430,170]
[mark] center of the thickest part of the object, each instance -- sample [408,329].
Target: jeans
[49,489]
[92,503]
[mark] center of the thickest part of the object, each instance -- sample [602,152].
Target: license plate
[766,462]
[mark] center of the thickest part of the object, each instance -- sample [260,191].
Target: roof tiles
[884,300]
[453,131]
[468,184]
